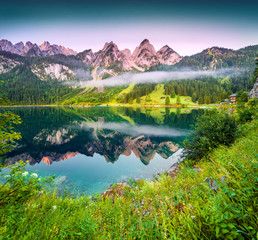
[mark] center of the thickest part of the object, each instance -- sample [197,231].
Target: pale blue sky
[187,27]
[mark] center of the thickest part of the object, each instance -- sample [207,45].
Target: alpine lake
[88,149]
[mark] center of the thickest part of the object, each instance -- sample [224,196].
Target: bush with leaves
[20,185]
[246,112]
[7,134]
[212,129]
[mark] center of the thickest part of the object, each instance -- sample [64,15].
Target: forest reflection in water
[139,142]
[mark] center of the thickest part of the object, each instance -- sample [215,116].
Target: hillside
[215,58]
[60,79]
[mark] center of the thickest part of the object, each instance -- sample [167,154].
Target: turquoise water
[88,149]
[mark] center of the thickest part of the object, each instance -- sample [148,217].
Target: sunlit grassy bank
[214,200]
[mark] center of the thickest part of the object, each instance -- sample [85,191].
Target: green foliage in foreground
[212,129]
[7,134]
[214,200]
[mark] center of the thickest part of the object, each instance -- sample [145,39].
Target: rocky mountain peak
[145,41]
[168,56]
[127,53]
[19,44]
[165,49]
[44,46]
[86,56]
[142,58]
[145,55]
[6,45]
[109,46]
[108,55]
[34,51]
[29,44]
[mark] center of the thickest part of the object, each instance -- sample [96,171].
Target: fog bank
[161,76]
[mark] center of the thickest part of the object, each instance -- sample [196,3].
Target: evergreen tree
[167,102]
[213,98]
[194,97]
[172,95]
[178,100]
[200,100]
[137,98]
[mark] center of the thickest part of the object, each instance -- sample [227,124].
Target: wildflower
[54,207]
[193,217]
[25,174]
[7,176]
[34,175]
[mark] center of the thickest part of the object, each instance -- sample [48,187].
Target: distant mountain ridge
[143,57]
[33,50]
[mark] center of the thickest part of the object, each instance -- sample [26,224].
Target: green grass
[181,207]
[158,93]
[110,96]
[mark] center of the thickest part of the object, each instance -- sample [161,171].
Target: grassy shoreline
[117,105]
[213,200]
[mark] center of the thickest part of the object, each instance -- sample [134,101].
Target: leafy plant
[7,134]
[212,129]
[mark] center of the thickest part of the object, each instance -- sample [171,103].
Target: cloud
[160,76]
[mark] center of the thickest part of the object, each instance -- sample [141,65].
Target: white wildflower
[7,176]
[54,207]
[25,174]
[34,175]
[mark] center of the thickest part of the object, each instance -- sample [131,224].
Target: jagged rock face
[54,70]
[26,48]
[32,50]
[129,64]
[110,56]
[44,46]
[50,50]
[86,56]
[145,55]
[168,56]
[6,45]
[142,58]
[18,48]
[7,64]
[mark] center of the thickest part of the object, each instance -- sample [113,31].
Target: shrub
[20,185]
[212,129]
[246,113]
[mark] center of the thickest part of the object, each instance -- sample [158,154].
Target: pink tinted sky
[186,38]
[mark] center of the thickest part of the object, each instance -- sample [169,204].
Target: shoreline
[172,171]
[113,105]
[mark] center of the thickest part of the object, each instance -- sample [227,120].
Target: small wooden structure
[232,98]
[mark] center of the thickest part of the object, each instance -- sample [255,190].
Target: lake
[88,149]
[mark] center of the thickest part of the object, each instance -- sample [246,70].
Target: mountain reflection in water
[55,134]
[82,136]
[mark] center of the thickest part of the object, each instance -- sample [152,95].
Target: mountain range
[32,74]
[33,50]
[143,57]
